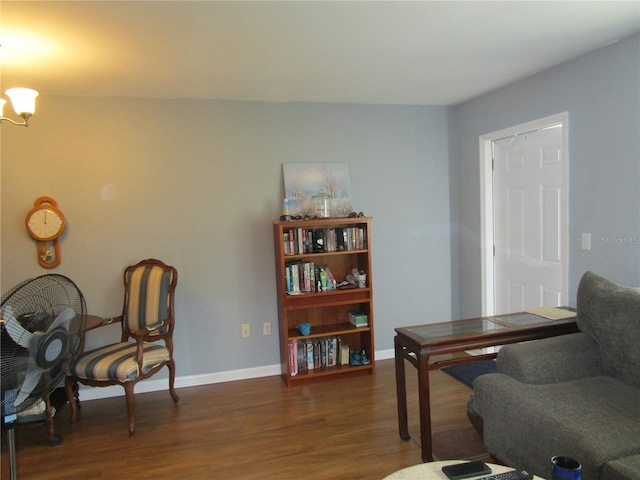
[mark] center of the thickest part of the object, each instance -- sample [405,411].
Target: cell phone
[466,470]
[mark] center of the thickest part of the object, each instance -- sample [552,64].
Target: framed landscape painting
[303,181]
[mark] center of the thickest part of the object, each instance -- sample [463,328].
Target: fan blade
[31,380]
[17,332]
[63,319]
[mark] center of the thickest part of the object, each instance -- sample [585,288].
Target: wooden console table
[418,343]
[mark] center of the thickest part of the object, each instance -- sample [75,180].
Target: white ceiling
[393,52]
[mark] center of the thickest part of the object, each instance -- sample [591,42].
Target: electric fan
[42,323]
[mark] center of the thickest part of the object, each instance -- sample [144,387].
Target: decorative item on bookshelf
[358,358]
[286,215]
[304,328]
[359,319]
[321,205]
[309,216]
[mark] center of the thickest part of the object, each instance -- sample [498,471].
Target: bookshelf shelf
[322,254]
[341,297]
[327,330]
[305,250]
[330,373]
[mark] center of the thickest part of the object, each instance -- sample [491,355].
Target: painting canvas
[302,181]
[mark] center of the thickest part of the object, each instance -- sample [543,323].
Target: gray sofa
[576,395]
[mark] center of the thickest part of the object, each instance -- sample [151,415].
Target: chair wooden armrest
[93,322]
[152,327]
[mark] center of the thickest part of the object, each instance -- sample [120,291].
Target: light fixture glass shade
[2,102]
[23,100]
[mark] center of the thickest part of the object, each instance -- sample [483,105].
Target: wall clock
[45,223]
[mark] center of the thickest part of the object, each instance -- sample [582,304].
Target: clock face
[45,224]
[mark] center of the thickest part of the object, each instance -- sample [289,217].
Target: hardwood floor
[248,429]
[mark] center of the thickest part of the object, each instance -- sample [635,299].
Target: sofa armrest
[625,468]
[552,360]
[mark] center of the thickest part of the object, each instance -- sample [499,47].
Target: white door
[529,220]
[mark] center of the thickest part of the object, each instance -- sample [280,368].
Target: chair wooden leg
[70,389]
[54,438]
[172,377]
[128,390]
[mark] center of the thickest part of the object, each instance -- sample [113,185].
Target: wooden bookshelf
[347,245]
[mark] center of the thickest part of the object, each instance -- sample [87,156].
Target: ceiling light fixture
[24,103]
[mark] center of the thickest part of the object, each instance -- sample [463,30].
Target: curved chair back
[149,295]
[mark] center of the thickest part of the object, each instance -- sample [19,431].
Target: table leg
[425,407]
[401,390]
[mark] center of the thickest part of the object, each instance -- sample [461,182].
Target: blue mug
[565,468]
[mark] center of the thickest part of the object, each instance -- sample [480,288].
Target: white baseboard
[153,385]
[385,354]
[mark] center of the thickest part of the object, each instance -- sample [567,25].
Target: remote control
[513,475]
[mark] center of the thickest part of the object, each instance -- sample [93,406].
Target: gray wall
[198,184]
[601,92]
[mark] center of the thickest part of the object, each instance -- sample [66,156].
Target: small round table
[433,471]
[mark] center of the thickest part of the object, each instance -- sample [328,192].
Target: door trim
[486,204]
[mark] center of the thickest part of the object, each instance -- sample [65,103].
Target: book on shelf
[310,358]
[293,357]
[307,277]
[298,241]
[319,240]
[307,354]
[344,354]
[302,356]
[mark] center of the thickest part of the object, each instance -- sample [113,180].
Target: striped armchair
[146,344]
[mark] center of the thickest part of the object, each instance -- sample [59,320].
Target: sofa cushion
[610,313]
[118,361]
[594,420]
[552,360]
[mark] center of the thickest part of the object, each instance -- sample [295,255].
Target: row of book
[313,353]
[319,240]
[306,277]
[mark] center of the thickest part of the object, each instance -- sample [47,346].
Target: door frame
[487,234]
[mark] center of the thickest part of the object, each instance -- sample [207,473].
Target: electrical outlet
[266,328]
[246,330]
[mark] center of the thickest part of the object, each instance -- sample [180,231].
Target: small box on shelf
[359,319]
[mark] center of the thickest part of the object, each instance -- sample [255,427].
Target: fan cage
[36,303]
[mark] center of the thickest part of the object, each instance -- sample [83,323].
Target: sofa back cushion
[610,313]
